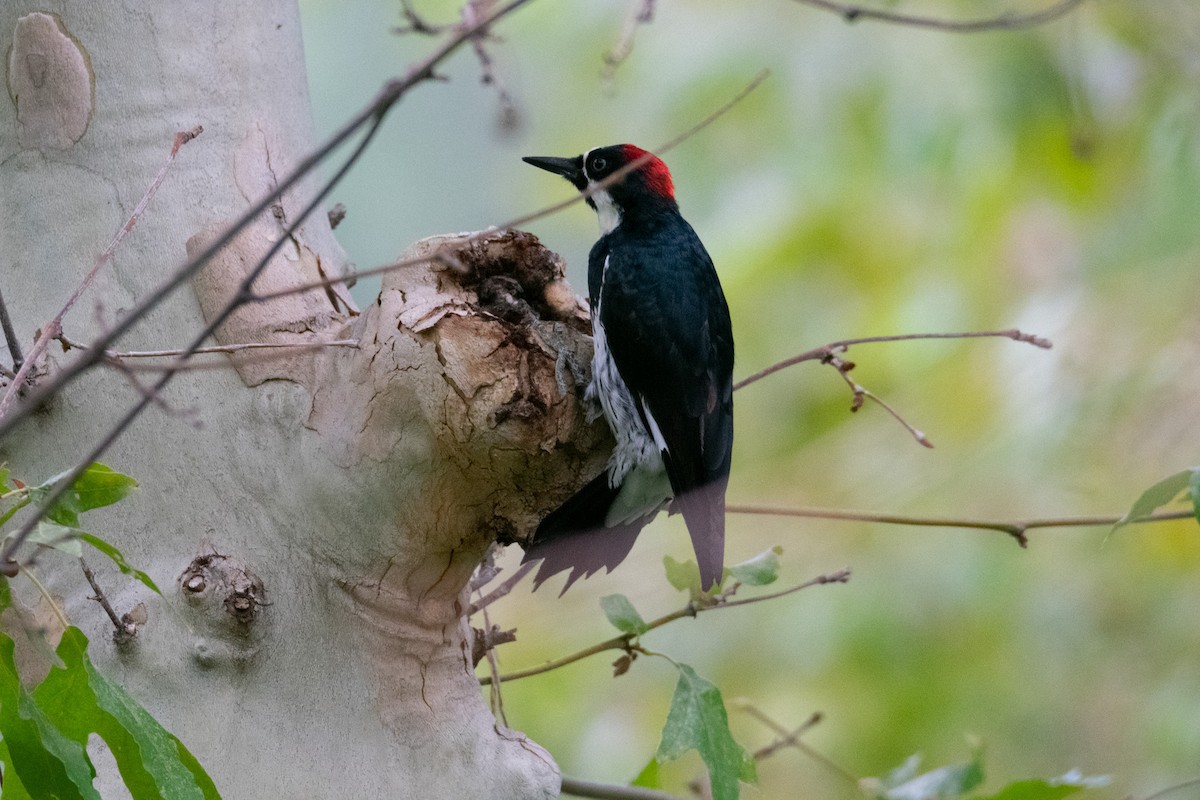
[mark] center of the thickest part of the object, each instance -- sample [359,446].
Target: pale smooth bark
[312,519]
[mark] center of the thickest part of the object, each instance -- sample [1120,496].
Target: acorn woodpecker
[662,371]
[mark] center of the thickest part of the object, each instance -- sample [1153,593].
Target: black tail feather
[703,510]
[574,537]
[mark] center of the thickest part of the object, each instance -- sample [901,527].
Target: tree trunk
[313,518]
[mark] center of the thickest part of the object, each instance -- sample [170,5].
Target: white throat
[607,211]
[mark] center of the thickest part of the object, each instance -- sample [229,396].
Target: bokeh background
[883,180]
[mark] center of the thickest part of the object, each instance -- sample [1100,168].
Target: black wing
[669,332]
[574,537]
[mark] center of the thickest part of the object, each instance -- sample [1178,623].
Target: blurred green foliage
[884,180]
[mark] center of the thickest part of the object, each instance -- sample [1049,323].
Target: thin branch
[373,118]
[852,12]
[124,631]
[625,641]
[792,739]
[577,787]
[503,589]
[45,593]
[834,348]
[642,13]
[509,116]
[68,344]
[785,738]
[416,23]
[372,114]
[540,213]
[10,337]
[1014,528]
[491,637]
[54,327]
[861,393]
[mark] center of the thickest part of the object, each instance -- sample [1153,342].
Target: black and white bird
[662,372]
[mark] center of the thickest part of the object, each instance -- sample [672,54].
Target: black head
[648,184]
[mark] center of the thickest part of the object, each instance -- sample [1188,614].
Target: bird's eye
[599,164]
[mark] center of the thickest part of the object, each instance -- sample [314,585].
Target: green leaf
[81,701]
[760,570]
[62,538]
[697,721]
[1053,789]
[623,615]
[1158,495]
[47,762]
[4,473]
[17,506]
[13,788]
[70,541]
[97,486]
[118,558]
[648,778]
[684,576]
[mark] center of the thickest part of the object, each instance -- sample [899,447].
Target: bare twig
[792,739]
[525,219]
[501,590]
[508,117]
[10,337]
[785,738]
[860,393]
[372,117]
[641,13]
[834,348]
[54,327]
[124,630]
[1014,528]
[625,641]
[577,787]
[852,12]
[491,637]
[416,23]
[222,348]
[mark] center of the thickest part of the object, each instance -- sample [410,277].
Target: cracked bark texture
[313,518]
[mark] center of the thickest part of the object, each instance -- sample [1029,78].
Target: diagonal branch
[692,609]
[832,349]
[540,213]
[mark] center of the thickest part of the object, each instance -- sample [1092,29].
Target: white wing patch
[654,430]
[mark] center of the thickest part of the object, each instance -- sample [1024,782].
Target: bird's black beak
[569,168]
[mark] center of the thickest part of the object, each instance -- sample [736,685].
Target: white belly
[636,464]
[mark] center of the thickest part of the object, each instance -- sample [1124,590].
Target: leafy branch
[626,641]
